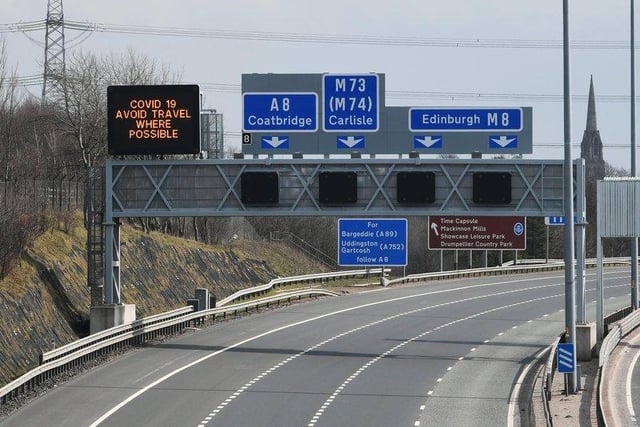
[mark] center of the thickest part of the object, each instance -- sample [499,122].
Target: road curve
[438,353]
[621,383]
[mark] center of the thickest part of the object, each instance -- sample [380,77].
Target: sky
[490,53]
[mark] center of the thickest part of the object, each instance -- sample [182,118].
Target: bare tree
[43,147]
[82,104]
[84,97]
[610,170]
[134,68]
[9,100]
[19,221]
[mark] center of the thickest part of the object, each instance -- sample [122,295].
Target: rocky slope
[45,300]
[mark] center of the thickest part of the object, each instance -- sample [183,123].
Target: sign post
[350,103]
[566,362]
[558,220]
[280,112]
[502,127]
[353,116]
[565,358]
[465,119]
[372,242]
[483,232]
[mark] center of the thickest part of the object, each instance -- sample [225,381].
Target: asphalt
[381,358]
[445,353]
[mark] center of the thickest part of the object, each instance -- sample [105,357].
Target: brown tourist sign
[483,232]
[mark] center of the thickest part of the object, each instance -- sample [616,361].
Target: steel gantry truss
[164,188]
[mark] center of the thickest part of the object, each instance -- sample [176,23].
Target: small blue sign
[280,112]
[566,358]
[350,103]
[465,119]
[350,141]
[503,141]
[427,141]
[372,242]
[518,229]
[271,142]
[558,220]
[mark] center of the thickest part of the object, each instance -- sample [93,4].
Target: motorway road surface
[432,354]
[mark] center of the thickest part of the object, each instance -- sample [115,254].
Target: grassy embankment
[45,298]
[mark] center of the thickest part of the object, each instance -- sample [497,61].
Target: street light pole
[634,240]
[570,290]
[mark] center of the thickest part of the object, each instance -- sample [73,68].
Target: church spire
[591,146]
[591,109]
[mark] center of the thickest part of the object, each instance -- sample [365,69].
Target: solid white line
[515,392]
[291,325]
[632,413]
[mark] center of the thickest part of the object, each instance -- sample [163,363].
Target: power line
[406,94]
[87,28]
[360,39]
[23,27]
[341,38]
[31,80]
[475,96]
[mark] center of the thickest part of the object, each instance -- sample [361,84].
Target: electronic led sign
[155,119]
[492,188]
[416,187]
[338,187]
[259,188]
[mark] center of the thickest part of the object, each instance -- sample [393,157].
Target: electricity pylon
[54,53]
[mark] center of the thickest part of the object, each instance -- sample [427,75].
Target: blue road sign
[565,358]
[350,103]
[558,220]
[465,119]
[372,242]
[283,112]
